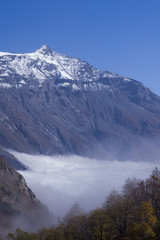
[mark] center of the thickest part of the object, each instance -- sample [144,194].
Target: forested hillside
[133,214]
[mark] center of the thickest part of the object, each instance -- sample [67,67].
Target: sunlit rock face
[54,104]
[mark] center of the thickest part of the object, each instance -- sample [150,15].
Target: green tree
[119,208]
[129,186]
[18,234]
[99,225]
[143,228]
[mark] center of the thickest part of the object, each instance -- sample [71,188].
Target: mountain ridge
[61,66]
[54,104]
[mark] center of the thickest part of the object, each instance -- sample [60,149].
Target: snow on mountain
[54,104]
[46,64]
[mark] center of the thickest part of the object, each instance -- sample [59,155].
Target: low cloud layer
[61,181]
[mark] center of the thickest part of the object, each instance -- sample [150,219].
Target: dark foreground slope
[19,206]
[54,104]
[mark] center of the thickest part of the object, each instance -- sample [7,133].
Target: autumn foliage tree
[133,214]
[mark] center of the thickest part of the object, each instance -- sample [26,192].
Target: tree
[99,224]
[156,174]
[129,186]
[18,234]
[149,190]
[143,228]
[73,224]
[119,208]
[75,210]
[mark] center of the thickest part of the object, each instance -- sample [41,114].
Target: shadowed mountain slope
[54,104]
[19,207]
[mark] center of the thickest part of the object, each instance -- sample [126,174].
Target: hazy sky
[122,36]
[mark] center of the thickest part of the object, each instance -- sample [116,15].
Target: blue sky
[122,36]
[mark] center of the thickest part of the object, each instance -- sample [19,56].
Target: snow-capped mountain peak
[45,50]
[17,70]
[41,65]
[52,103]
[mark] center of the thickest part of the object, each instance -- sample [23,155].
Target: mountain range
[53,104]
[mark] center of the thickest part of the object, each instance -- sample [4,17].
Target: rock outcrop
[19,207]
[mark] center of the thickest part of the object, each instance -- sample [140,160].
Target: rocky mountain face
[18,204]
[54,104]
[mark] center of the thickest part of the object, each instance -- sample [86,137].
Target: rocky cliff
[19,207]
[54,104]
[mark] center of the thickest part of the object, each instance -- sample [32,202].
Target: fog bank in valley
[60,181]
